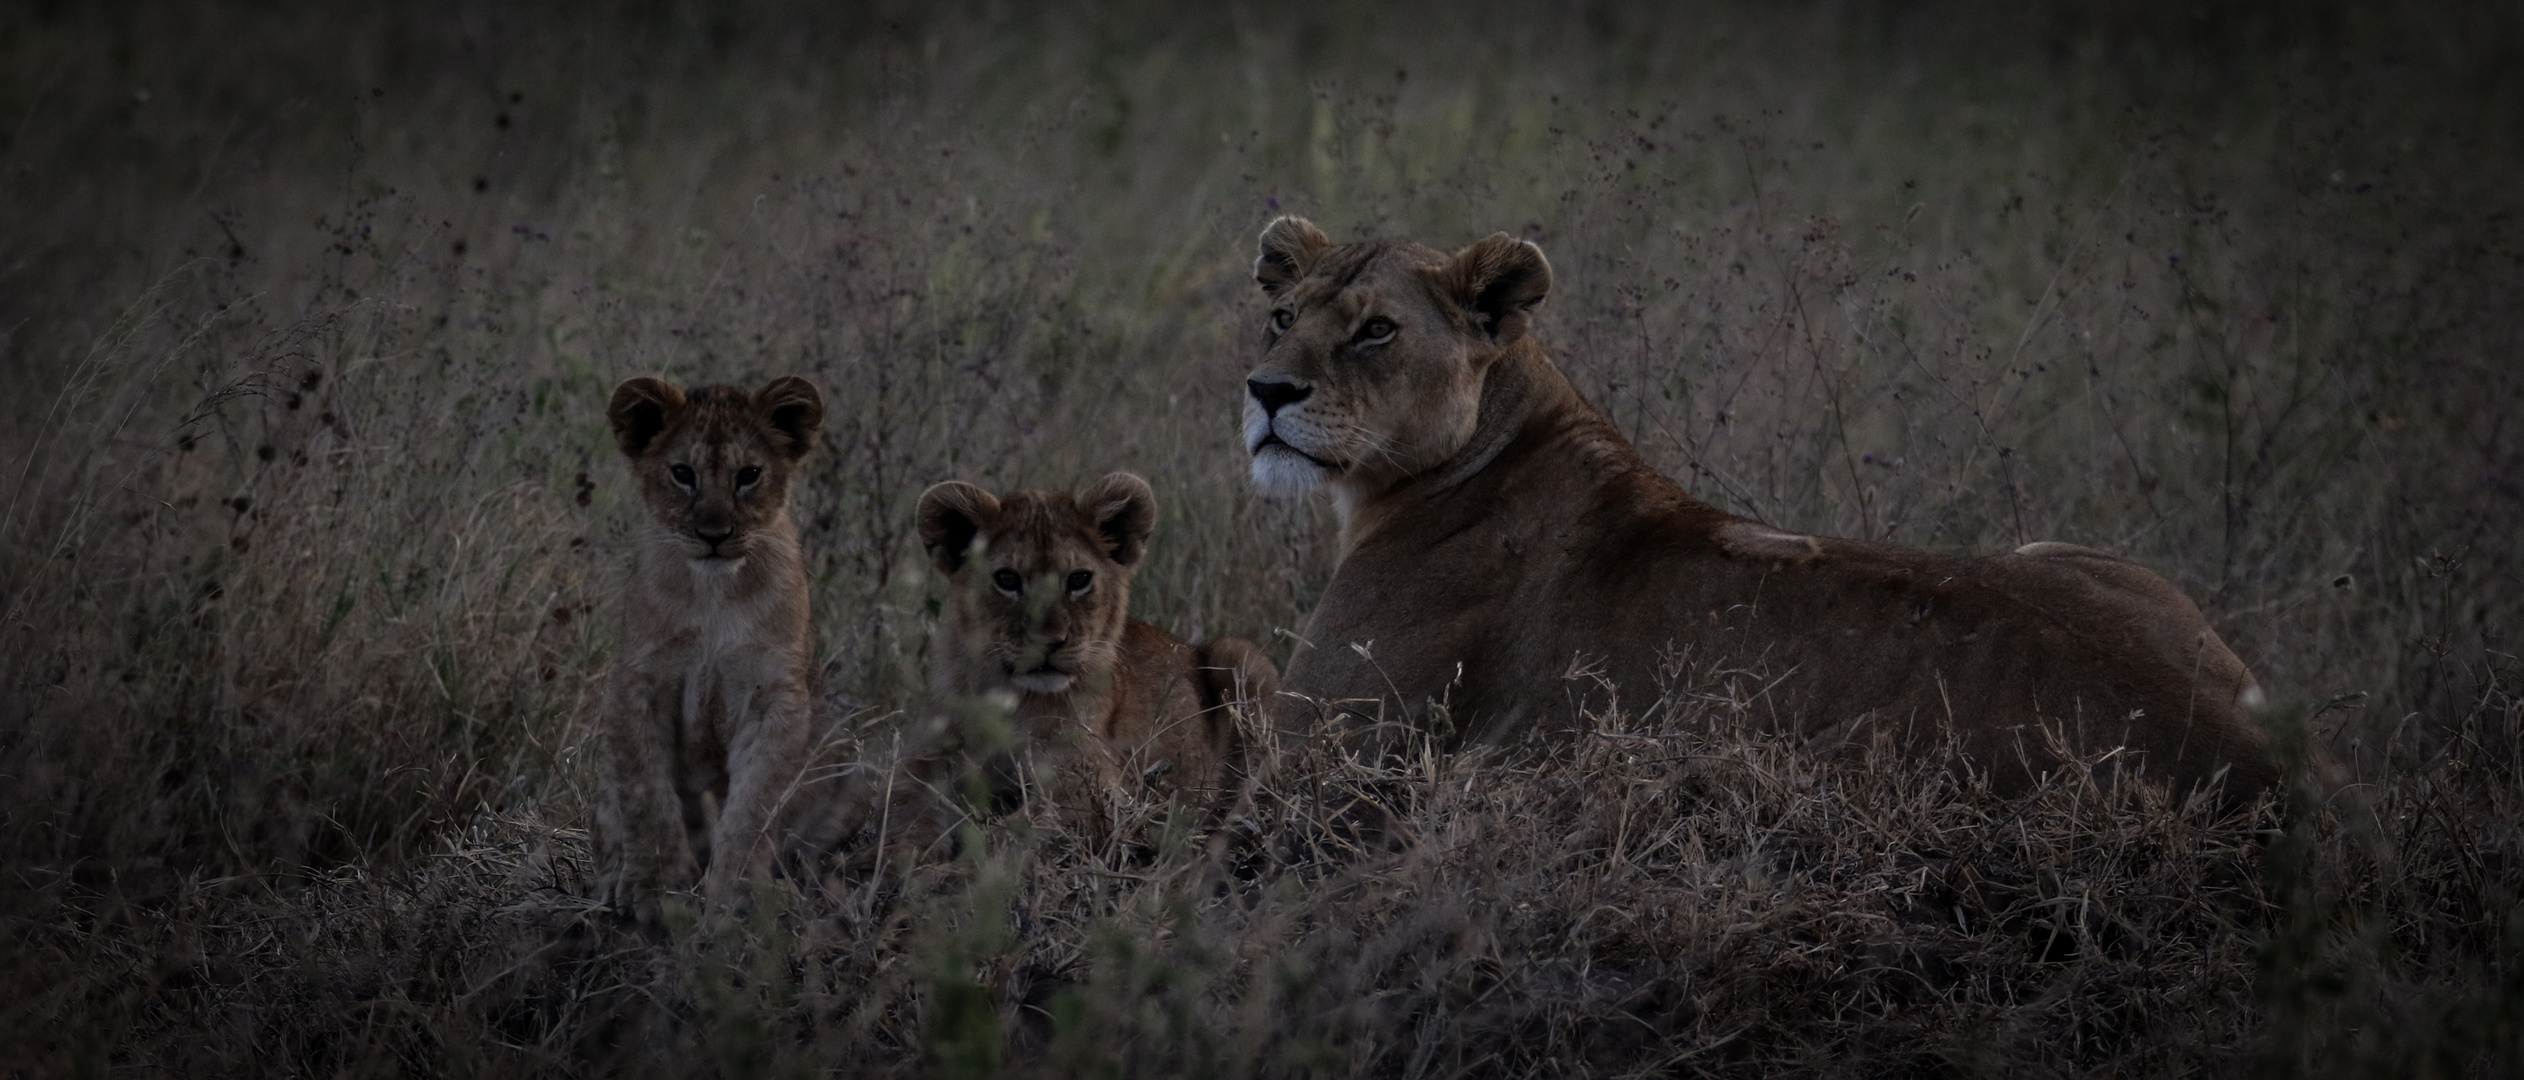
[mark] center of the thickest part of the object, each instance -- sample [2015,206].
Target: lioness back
[1498,530]
[703,729]
[1037,615]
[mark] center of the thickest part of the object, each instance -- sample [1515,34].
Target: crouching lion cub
[704,726]
[1038,612]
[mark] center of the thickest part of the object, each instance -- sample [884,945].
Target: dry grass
[307,558]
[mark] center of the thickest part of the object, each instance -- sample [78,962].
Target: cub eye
[1079,580]
[681,473]
[1008,582]
[1282,319]
[746,476]
[1378,331]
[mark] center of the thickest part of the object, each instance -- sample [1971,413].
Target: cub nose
[714,531]
[1273,393]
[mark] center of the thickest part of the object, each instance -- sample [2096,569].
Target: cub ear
[951,515]
[1124,509]
[795,409]
[1499,279]
[1289,248]
[642,409]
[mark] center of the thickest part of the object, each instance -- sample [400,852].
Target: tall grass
[312,530]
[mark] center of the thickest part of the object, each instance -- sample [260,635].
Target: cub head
[1374,352]
[1039,583]
[714,463]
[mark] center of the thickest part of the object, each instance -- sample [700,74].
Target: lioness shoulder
[704,724]
[1037,616]
[1498,529]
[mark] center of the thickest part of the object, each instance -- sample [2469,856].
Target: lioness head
[714,464]
[1375,352]
[1039,582]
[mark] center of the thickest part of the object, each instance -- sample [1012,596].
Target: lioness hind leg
[2114,573]
[2220,699]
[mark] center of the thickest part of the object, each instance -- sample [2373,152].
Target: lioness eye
[746,476]
[1377,330]
[1283,319]
[682,474]
[1008,581]
[1079,579]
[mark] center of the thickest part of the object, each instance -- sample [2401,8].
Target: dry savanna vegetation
[311,530]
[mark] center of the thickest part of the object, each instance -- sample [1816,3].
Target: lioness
[1038,604]
[1497,530]
[705,716]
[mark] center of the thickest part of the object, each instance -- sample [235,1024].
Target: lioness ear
[1289,248]
[795,409]
[951,515]
[1124,508]
[643,408]
[1499,279]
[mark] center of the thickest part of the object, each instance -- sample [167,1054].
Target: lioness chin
[704,723]
[1105,707]
[1497,529]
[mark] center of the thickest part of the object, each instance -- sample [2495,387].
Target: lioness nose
[1273,394]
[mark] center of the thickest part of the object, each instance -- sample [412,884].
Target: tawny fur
[1105,707]
[704,729]
[1497,531]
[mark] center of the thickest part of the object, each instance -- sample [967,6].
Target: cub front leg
[640,842]
[765,755]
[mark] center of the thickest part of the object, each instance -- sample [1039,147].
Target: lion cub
[705,715]
[1038,613]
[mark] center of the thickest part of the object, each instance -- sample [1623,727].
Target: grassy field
[312,527]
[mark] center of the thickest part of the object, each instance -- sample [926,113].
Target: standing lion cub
[1038,613]
[705,716]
